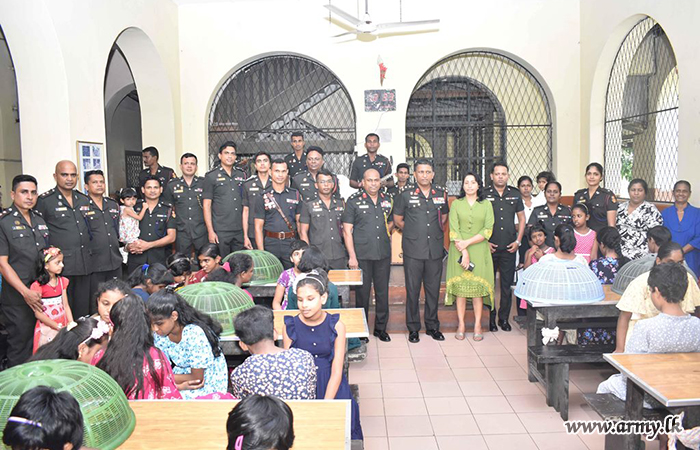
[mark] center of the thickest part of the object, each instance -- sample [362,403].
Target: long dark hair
[157,273]
[130,344]
[479,192]
[610,237]
[65,344]
[164,302]
[567,238]
[42,275]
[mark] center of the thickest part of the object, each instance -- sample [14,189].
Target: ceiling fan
[367,26]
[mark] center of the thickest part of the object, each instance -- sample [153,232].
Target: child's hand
[190,385]
[538,254]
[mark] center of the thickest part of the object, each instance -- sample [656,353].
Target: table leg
[532,341]
[634,405]
[344,292]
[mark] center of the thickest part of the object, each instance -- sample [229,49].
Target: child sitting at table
[314,259]
[43,418]
[260,422]
[656,237]
[190,339]
[242,270]
[612,259]
[270,370]
[565,243]
[285,280]
[209,259]
[180,267]
[636,304]
[672,330]
[322,335]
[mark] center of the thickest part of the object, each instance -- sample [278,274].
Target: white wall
[217,38]
[604,25]
[60,50]
[10,153]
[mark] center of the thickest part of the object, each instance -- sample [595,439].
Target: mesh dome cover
[222,301]
[559,282]
[108,419]
[266,267]
[635,268]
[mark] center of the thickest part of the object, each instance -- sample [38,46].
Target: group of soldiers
[289,198]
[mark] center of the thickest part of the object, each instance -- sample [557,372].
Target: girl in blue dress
[683,219]
[190,339]
[322,335]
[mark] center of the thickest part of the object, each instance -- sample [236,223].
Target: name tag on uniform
[221,179]
[439,200]
[292,200]
[61,208]
[90,213]
[254,189]
[20,227]
[491,199]
[317,210]
[178,191]
[363,206]
[413,201]
[161,215]
[541,216]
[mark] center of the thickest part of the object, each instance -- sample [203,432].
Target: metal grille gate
[260,105]
[641,113]
[474,108]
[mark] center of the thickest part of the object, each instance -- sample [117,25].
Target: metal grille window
[261,104]
[474,108]
[641,113]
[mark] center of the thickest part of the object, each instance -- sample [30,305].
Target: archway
[10,147]
[122,123]
[476,107]
[641,113]
[261,104]
[138,107]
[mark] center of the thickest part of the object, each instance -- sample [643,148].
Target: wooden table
[552,314]
[671,378]
[201,424]
[343,279]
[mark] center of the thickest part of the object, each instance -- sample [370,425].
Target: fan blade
[348,18]
[382,26]
[345,34]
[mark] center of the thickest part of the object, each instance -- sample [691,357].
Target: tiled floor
[465,395]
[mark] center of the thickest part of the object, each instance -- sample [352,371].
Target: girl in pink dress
[132,347]
[586,244]
[52,286]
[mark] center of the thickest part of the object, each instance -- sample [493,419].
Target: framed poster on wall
[90,157]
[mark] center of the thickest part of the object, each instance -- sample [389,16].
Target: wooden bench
[612,409]
[556,360]
[188,424]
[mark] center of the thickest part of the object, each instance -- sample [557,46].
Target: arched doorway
[10,150]
[474,108]
[641,113]
[122,123]
[261,104]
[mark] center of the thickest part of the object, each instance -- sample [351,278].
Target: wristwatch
[518,242]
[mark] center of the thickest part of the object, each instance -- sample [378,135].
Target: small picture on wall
[90,157]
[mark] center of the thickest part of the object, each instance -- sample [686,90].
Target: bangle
[518,242]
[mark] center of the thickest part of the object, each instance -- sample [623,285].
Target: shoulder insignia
[47,193]
[5,212]
[81,194]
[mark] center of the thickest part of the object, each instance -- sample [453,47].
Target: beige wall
[604,25]
[181,51]
[60,50]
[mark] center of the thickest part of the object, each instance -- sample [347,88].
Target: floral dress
[194,352]
[168,389]
[605,268]
[633,227]
[289,375]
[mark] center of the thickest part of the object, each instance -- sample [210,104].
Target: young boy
[656,237]
[672,330]
[297,248]
[636,304]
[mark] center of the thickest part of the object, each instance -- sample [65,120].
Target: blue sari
[685,232]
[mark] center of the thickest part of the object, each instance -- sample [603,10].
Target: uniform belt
[280,235]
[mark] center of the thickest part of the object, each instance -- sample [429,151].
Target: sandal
[478,337]
[459,336]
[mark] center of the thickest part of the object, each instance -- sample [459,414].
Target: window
[641,113]
[475,108]
[260,105]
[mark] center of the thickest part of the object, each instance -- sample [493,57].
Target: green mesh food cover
[108,419]
[266,267]
[222,301]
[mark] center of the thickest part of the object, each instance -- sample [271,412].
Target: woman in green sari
[471,225]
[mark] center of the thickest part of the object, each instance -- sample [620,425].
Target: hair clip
[33,423]
[144,268]
[172,263]
[50,253]
[238,445]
